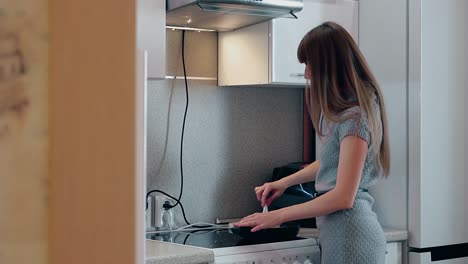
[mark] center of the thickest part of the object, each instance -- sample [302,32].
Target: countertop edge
[180,259]
[180,254]
[391,234]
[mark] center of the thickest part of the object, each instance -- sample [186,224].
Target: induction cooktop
[212,239]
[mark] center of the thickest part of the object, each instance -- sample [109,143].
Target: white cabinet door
[425,258]
[286,34]
[438,124]
[266,53]
[419,258]
[243,56]
[151,35]
[394,253]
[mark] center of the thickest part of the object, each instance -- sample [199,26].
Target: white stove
[230,248]
[304,251]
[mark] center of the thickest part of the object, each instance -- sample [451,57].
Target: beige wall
[23,131]
[92,215]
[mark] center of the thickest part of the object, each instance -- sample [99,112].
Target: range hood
[227,15]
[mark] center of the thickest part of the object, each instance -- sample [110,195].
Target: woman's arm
[353,152]
[307,174]
[269,191]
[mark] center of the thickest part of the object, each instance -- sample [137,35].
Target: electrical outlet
[168,216]
[163,217]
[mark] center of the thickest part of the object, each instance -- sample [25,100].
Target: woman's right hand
[269,191]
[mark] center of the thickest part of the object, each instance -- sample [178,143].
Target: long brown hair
[340,72]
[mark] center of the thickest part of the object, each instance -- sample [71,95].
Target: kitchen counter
[391,235]
[158,252]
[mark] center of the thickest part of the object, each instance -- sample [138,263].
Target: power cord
[167,206]
[201,226]
[183,123]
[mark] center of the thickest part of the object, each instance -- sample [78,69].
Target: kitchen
[89,182]
[263,123]
[253,116]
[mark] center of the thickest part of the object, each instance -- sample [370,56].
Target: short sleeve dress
[351,236]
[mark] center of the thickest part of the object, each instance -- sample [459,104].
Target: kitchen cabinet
[394,253]
[266,53]
[151,35]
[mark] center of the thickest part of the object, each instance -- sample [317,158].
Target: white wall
[382,39]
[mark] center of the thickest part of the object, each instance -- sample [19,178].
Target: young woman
[348,113]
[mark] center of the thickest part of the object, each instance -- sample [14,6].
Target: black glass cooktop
[210,239]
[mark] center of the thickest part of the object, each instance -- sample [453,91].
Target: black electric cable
[194,232]
[170,196]
[181,143]
[185,239]
[292,14]
[183,123]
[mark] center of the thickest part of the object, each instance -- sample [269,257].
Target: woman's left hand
[261,221]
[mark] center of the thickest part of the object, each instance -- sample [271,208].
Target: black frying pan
[285,231]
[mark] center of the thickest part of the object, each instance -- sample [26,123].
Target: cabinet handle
[296,75]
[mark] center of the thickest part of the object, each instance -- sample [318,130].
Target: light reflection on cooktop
[210,239]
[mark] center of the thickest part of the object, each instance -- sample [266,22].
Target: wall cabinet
[394,253]
[266,53]
[151,35]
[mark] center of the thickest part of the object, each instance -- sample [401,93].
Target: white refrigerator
[437,138]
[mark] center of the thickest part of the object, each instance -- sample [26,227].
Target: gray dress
[351,236]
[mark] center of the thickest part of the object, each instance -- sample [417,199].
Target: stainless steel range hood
[227,15]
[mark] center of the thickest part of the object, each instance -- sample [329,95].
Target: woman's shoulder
[353,121]
[355,112]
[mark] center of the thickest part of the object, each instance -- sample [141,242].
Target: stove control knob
[308,262]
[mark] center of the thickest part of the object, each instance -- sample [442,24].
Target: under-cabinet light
[189,28]
[191,78]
